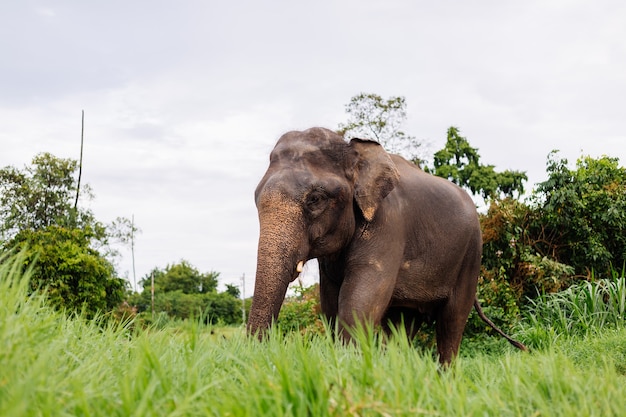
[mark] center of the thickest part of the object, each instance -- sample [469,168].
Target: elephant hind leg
[450,324]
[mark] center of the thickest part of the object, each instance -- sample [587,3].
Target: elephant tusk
[299,266]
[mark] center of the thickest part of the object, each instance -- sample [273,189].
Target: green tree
[75,276]
[459,162]
[41,195]
[583,213]
[184,277]
[62,241]
[572,225]
[373,117]
[181,291]
[233,290]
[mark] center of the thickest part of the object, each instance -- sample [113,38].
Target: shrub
[582,309]
[301,312]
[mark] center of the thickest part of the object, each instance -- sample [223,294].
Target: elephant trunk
[281,252]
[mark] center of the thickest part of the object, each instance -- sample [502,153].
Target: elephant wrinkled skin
[393,242]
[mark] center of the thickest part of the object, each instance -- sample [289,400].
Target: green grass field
[51,365]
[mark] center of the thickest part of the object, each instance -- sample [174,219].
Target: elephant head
[316,189]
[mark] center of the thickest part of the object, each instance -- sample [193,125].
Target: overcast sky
[184,100]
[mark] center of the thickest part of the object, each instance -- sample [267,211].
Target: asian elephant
[391,240]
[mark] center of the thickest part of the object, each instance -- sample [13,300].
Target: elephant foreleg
[329,298]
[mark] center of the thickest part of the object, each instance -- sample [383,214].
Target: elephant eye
[316,201]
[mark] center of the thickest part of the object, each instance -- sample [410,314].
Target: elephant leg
[329,298]
[449,334]
[364,299]
[451,317]
[450,324]
[402,317]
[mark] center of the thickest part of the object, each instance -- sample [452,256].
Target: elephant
[394,244]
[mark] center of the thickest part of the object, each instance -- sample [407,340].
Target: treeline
[71,253]
[182,292]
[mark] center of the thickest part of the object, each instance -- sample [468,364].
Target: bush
[582,309]
[570,229]
[75,276]
[302,311]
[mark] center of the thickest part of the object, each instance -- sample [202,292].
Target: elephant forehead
[304,152]
[294,149]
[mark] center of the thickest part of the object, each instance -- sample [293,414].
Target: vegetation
[459,162]
[183,292]
[67,247]
[550,277]
[74,275]
[372,117]
[49,360]
[302,312]
[568,229]
[71,257]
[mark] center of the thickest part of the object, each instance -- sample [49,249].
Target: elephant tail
[481,314]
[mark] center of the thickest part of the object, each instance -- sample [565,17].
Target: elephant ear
[374,173]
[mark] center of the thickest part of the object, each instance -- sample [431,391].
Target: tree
[75,277]
[184,277]
[372,117]
[570,228]
[460,163]
[40,196]
[583,213]
[233,290]
[181,291]
[63,241]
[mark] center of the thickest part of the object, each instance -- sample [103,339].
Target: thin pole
[152,291]
[80,164]
[243,298]
[132,249]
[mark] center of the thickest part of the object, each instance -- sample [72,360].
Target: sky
[184,100]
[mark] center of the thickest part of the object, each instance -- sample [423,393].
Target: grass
[52,365]
[581,310]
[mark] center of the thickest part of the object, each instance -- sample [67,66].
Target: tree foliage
[373,117]
[182,277]
[583,213]
[570,228]
[39,196]
[459,162]
[66,244]
[76,277]
[181,291]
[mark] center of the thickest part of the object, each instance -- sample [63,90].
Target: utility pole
[80,164]
[152,292]
[243,298]
[132,250]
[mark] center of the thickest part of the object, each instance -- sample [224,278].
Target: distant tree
[233,290]
[184,277]
[460,163]
[181,291]
[372,117]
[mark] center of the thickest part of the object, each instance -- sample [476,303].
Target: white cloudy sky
[184,100]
